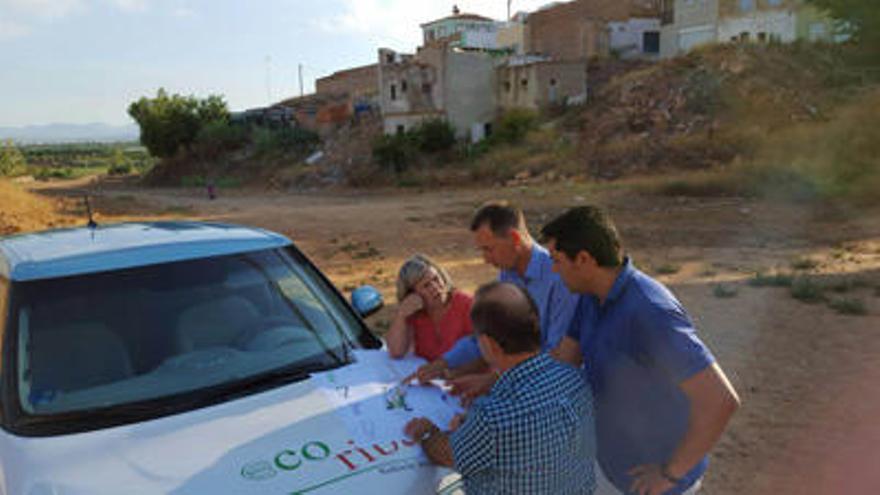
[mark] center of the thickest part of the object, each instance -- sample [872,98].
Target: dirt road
[807,375]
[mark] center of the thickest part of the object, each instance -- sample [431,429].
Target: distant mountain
[70,133]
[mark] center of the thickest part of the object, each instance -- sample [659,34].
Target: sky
[85,61]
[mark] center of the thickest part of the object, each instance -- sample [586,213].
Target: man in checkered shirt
[533,433]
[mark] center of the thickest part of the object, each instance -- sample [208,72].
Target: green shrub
[514,125]
[434,135]
[12,161]
[218,137]
[667,269]
[121,169]
[284,140]
[807,290]
[848,306]
[395,153]
[171,122]
[804,264]
[47,173]
[776,280]
[723,291]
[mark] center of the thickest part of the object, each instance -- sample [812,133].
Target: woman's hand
[410,305]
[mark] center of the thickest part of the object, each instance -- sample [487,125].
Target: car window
[109,339]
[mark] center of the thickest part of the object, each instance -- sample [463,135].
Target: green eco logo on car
[353,458]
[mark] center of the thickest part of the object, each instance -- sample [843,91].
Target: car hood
[285,441]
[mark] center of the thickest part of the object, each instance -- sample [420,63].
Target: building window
[774,3]
[507,86]
[651,42]
[762,37]
[403,86]
[393,92]
[524,83]
[487,129]
[426,88]
[744,36]
[389,58]
[746,5]
[400,129]
[552,82]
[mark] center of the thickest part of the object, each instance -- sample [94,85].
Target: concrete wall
[696,13]
[627,37]
[469,82]
[392,124]
[440,83]
[775,24]
[512,35]
[537,85]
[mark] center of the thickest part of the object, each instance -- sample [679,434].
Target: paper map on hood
[373,404]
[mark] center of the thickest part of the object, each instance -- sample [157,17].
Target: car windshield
[127,336]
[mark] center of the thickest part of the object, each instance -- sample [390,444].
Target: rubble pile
[705,108]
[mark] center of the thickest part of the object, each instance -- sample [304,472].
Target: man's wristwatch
[664,471]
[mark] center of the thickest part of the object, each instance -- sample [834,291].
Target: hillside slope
[711,106]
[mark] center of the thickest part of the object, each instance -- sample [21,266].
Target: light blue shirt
[556,306]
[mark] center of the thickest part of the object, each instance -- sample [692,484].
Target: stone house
[439,81]
[536,83]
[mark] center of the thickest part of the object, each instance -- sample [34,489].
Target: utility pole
[301,93]
[508,9]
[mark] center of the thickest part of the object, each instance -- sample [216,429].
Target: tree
[11,159]
[170,122]
[859,19]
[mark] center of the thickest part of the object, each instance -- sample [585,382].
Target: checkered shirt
[533,434]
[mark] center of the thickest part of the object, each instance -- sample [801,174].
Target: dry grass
[22,211]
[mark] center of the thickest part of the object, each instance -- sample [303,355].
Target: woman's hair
[414,269]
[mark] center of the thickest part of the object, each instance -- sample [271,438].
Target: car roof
[77,251]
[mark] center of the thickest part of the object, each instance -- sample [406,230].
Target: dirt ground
[808,376]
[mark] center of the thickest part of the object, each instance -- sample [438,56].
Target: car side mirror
[366,300]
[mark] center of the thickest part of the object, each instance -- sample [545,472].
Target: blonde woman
[432,314]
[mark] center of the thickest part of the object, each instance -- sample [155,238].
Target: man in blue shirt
[533,433]
[501,235]
[662,401]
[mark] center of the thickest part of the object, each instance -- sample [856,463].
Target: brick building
[579,30]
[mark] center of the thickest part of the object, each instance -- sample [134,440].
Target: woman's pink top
[432,341]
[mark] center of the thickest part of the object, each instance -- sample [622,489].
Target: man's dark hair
[511,322]
[501,216]
[586,228]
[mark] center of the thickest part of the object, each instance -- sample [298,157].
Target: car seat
[213,323]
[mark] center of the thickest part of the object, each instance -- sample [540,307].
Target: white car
[173,358]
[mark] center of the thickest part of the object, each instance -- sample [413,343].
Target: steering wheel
[271,333]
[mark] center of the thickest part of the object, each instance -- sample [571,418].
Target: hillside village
[470,68]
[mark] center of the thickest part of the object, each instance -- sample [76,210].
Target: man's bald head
[508,315]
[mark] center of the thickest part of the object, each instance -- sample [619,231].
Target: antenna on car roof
[92,224]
